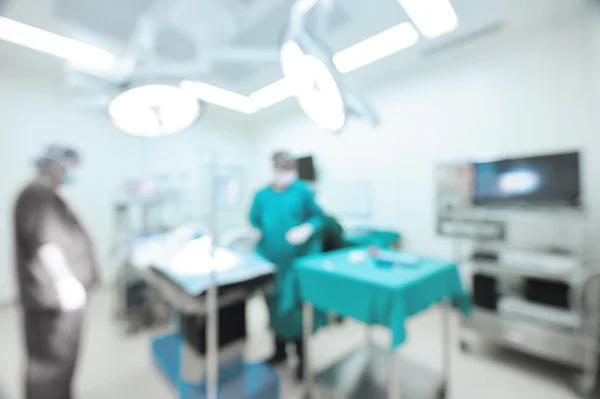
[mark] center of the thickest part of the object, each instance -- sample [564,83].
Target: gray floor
[115,366]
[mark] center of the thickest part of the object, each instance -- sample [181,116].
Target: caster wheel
[464,347]
[441,393]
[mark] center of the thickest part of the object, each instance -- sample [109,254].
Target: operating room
[449,147]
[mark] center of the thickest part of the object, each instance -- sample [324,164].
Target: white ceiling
[203,26]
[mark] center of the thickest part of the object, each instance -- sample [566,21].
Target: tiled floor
[116,366]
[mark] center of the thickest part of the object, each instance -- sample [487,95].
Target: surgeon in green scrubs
[289,222]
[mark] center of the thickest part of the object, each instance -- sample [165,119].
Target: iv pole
[212,302]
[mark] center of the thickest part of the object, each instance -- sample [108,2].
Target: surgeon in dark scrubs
[56,269]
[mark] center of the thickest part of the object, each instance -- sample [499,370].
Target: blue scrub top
[274,213]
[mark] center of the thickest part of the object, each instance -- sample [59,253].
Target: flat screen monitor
[548,180]
[306,169]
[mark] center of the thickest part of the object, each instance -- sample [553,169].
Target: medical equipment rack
[183,367]
[345,380]
[577,347]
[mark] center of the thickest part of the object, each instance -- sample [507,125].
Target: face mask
[70,177]
[284,179]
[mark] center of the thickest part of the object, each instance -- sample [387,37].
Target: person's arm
[255,213]
[39,220]
[55,261]
[312,224]
[315,215]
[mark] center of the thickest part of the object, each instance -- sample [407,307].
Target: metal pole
[307,330]
[587,381]
[212,340]
[447,345]
[212,301]
[393,379]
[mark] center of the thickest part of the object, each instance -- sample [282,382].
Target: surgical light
[79,53]
[314,86]
[218,96]
[433,18]
[154,110]
[376,47]
[294,64]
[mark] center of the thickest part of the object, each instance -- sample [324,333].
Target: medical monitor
[306,169]
[548,180]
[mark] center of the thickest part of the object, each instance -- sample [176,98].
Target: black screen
[542,180]
[306,169]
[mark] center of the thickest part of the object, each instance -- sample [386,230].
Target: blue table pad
[376,294]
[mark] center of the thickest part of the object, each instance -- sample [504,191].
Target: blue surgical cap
[56,154]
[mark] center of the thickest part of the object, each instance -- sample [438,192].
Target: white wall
[530,95]
[194,153]
[35,111]
[535,94]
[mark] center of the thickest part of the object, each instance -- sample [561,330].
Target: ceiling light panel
[433,18]
[88,56]
[376,47]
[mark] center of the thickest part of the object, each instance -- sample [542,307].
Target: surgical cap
[283,159]
[56,154]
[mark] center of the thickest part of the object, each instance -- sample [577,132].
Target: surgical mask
[70,177]
[285,179]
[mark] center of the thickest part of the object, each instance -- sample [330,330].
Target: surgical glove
[300,234]
[71,294]
[255,234]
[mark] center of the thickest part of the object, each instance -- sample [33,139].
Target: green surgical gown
[274,213]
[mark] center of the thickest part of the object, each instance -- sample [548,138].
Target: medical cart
[210,364]
[382,289]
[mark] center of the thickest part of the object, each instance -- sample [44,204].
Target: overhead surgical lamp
[315,88]
[317,85]
[154,110]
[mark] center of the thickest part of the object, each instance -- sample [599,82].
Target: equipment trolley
[382,289]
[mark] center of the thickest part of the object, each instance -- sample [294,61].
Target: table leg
[447,347]
[393,379]
[585,383]
[212,343]
[307,331]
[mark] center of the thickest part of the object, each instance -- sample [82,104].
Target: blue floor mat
[236,380]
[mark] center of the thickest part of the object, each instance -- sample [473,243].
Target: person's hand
[300,234]
[71,294]
[255,234]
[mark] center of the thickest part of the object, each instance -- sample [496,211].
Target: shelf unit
[577,347]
